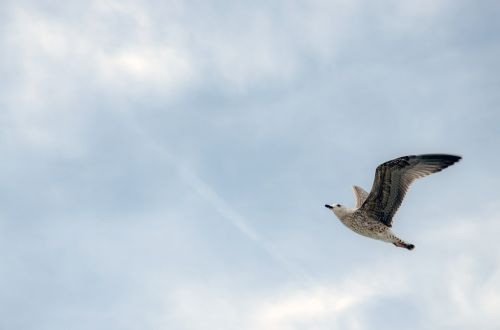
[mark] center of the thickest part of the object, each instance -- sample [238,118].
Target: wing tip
[445,159]
[440,156]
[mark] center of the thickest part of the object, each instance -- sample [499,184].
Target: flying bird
[373,214]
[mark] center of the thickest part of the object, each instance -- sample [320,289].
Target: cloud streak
[221,206]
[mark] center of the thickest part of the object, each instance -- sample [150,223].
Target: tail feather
[404,245]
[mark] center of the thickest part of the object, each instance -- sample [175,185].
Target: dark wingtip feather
[444,159]
[440,156]
[441,160]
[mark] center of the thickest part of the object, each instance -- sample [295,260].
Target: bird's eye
[338,205]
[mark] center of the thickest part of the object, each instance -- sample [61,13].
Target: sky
[165,164]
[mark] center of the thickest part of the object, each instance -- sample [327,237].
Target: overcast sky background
[164,164]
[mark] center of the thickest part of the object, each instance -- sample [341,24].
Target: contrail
[210,195]
[224,209]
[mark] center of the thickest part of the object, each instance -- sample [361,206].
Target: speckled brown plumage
[374,212]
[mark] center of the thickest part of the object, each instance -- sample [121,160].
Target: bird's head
[338,209]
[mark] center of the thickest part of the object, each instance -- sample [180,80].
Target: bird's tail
[405,245]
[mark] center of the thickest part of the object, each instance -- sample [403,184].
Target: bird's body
[358,222]
[372,216]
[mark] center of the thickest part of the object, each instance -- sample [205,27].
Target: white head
[338,209]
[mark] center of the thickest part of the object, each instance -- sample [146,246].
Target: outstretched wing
[360,194]
[393,178]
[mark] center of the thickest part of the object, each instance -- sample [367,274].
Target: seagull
[372,216]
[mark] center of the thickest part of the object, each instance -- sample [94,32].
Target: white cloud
[137,57]
[58,64]
[163,69]
[264,45]
[324,304]
[451,289]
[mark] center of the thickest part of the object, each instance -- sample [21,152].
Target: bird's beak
[328,206]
